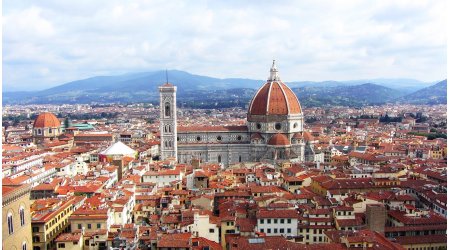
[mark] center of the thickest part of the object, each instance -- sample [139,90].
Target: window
[239,138]
[49,130]
[61,245]
[39,131]
[295,125]
[79,226]
[211,230]
[269,230]
[198,138]
[289,230]
[167,109]
[36,239]
[35,229]
[262,230]
[282,230]
[288,220]
[24,246]
[219,138]
[261,221]
[90,226]
[99,225]
[275,220]
[278,126]
[282,221]
[275,230]
[219,159]
[22,216]
[240,159]
[268,221]
[10,224]
[258,125]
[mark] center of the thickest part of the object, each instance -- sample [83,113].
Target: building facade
[274,129]
[168,120]
[16,221]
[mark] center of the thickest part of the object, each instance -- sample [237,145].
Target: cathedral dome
[46,120]
[274,98]
[278,140]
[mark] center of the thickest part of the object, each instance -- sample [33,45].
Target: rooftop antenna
[167,77]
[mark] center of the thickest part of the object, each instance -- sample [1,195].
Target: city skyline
[46,44]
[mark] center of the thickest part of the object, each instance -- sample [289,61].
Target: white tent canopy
[118,148]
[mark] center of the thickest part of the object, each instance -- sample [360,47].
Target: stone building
[274,129]
[16,220]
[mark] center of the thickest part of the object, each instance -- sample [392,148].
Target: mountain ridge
[143,87]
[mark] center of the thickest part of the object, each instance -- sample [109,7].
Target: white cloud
[317,40]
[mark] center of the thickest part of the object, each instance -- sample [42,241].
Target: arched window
[24,246]
[219,159]
[167,109]
[39,131]
[10,224]
[22,216]
[240,159]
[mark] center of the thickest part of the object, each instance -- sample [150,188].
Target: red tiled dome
[274,98]
[46,120]
[297,136]
[256,136]
[278,140]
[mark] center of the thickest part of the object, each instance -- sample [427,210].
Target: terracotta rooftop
[46,120]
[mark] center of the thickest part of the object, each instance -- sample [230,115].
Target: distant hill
[203,91]
[126,88]
[435,94]
[357,95]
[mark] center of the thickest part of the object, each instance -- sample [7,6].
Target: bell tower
[168,120]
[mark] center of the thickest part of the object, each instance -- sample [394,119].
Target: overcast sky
[47,43]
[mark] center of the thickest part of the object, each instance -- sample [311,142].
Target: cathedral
[274,129]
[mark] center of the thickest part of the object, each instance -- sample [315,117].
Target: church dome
[46,120]
[274,98]
[278,140]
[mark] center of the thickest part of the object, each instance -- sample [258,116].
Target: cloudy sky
[47,43]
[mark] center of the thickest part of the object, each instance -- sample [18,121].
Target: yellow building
[69,241]
[227,226]
[91,220]
[437,153]
[16,229]
[50,218]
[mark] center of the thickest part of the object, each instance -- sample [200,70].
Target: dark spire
[167,77]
